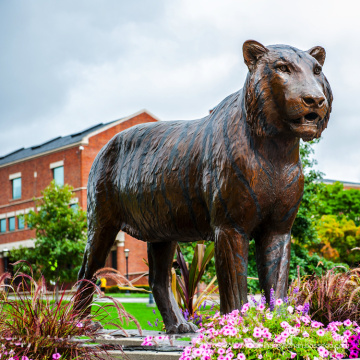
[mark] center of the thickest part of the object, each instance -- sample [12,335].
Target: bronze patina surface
[229,177]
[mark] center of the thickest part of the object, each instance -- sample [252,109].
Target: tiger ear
[253,51]
[318,53]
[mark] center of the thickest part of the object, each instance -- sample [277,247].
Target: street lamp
[126,251]
[6,266]
[6,259]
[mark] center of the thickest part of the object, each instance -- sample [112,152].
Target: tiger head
[286,91]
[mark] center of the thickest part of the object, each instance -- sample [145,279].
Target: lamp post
[6,266]
[6,259]
[126,251]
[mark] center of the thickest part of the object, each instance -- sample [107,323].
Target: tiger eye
[284,68]
[317,70]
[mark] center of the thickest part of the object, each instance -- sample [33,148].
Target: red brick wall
[31,187]
[77,164]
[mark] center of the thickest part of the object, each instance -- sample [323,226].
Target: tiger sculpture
[229,177]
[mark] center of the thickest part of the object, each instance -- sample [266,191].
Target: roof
[63,141]
[349,184]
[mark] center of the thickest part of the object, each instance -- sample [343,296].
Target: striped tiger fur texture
[229,177]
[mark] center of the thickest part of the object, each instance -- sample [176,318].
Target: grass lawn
[131,295]
[140,311]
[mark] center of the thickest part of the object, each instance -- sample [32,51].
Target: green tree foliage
[60,235]
[338,237]
[338,223]
[335,200]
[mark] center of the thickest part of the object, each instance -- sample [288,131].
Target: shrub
[191,275]
[33,326]
[334,296]
[256,332]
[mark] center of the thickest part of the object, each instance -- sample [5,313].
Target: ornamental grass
[33,326]
[333,296]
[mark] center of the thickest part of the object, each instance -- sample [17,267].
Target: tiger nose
[314,101]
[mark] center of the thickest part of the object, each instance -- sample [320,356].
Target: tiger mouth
[310,119]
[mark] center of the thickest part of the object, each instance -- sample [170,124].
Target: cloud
[68,65]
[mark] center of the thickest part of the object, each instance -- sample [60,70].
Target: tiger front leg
[273,261]
[231,261]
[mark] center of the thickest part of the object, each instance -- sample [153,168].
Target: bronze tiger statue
[229,177]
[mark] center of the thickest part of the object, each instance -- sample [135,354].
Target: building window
[114,259]
[58,174]
[3,225]
[16,188]
[74,207]
[21,223]
[12,223]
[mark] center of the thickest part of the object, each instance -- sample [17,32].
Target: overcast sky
[68,65]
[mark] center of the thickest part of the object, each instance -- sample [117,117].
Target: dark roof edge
[83,141]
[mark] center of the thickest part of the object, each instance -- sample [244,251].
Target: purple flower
[154,312]
[306,309]
[150,324]
[56,356]
[263,299]
[212,306]
[272,299]
[254,300]
[296,290]
[286,299]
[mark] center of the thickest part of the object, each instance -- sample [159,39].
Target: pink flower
[347,333]
[339,356]
[221,351]
[292,354]
[148,342]
[278,302]
[304,319]
[284,325]
[316,324]
[279,339]
[187,350]
[260,356]
[290,309]
[305,334]
[245,308]
[24,358]
[261,307]
[197,352]
[237,346]
[269,316]
[56,356]
[241,356]
[80,325]
[323,352]
[321,332]
[347,322]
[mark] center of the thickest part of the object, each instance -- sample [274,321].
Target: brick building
[25,172]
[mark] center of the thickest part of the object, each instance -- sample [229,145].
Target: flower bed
[278,331]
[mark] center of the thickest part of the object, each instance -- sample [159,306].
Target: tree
[338,238]
[335,200]
[60,235]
